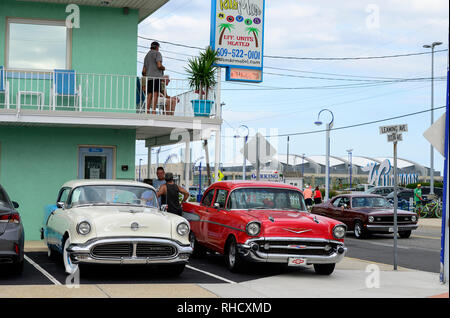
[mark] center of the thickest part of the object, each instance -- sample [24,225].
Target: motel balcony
[68,98]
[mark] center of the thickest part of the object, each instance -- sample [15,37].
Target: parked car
[402,195]
[384,191]
[263,222]
[367,213]
[114,222]
[12,235]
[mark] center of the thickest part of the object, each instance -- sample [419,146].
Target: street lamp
[140,170]
[303,169]
[327,142]
[245,136]
[431,46]
[350,169]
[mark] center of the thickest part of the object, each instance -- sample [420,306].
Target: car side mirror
[61,205]
[15,205]
[217,206]
[164,207]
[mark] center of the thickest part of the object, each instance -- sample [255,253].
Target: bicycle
[421,209]
[429,208]
[435,209]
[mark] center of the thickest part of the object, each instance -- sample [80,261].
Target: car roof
[355,195]
[85,182]
[234,184]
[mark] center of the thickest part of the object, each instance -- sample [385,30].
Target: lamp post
[350,166]
[327,151]
[431,46]
[245,136]
[140,170]
[303,169]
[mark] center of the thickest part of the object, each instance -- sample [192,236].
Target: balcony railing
[81,92]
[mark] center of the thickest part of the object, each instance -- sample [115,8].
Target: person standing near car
[171,192]
[307,194]
[418,199]
[317,196]
[154,71]
[160,174]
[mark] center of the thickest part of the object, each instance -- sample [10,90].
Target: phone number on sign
[251,55]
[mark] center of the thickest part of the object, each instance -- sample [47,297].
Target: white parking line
[43,271]
[211,274]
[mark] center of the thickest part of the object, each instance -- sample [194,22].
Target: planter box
[202,108]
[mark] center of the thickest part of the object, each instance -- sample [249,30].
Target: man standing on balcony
[154,70]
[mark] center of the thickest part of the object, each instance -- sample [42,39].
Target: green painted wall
[105,43]
[36,161]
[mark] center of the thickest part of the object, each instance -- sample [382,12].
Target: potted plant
[202,77]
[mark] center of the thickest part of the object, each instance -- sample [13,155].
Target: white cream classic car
[114,222]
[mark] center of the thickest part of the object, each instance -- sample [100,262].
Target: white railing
[82,92]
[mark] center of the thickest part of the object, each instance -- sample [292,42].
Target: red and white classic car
[263,222]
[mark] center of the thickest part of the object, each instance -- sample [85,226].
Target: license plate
[296,261]
[391,230]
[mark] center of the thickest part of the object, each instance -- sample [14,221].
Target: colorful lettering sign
[237,33]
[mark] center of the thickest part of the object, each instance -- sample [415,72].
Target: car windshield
[370,202]
[115,195]
[267,198]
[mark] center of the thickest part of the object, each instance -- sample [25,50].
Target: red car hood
[277,223]
[375,211]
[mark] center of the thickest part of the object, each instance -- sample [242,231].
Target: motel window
[37,45]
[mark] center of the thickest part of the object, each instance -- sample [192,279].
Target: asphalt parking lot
[419,252]
[41,270]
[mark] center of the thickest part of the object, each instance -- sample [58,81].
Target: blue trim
[445,198]
[32,76]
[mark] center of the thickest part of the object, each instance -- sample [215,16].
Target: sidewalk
[430,223]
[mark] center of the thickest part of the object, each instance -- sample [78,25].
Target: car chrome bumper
[250,254]
[82,253]
[389,228]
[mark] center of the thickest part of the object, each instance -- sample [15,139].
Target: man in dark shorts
[171,192]
[154,71]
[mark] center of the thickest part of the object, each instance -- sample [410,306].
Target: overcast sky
[323,28]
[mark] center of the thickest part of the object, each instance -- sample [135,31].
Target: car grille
[113,250]
[126,250]
[390,219]
[297,248]
[154,250]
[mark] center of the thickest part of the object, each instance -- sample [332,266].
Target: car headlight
[183,229]
[413,218]
[371,219]
[253,228]
[339,231]
[84,228]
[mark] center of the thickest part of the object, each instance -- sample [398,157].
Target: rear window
[4,201]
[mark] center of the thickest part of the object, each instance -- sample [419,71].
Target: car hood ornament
[298,231]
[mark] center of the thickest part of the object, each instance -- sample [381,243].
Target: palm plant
[223,27]
[202,72]
[255,33]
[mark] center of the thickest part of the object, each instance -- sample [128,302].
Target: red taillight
[16,248]
[10,218]
[14,218]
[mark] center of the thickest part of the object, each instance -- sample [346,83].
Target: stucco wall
[106,41]
[36,161]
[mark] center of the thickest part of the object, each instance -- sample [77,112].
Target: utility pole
[431,46]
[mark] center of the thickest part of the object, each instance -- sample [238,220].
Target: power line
[325,78]
[352,126]
[309,58]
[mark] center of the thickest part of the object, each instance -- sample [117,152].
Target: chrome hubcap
[232,255]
